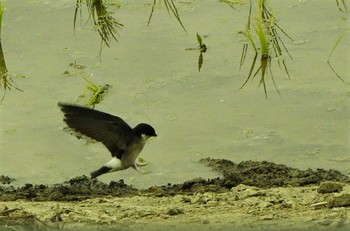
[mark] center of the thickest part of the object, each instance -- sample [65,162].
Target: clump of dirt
[260,174]
[76,189]
[6,179]
[265,174]
[196,185]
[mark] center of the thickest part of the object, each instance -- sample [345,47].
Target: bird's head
[145,129]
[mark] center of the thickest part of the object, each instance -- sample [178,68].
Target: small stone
[206,221]
[287,204]
[267,217]
[164,216]
[264,204]
[342,200]
[330,187]
[3,208]
[212,203]
[186,199]
[175,211]
[199,198]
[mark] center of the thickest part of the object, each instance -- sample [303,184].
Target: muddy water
[155,80]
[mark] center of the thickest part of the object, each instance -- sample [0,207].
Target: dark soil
[265,174]
[252,173]
[6,179]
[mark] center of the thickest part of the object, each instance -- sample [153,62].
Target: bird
[123,142]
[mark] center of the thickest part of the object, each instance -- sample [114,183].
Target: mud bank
[250,195]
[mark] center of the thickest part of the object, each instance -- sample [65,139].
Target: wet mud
[260,174]
[6,179]
[251,192]
[267,174]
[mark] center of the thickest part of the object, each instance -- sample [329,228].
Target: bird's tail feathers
[111,166]
[100,171]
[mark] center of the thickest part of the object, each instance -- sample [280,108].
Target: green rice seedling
[332,51]
[98,92]
[171,7]
[273,31]
[263,37]
[232,3]
[6,79]
[3,68]
[260,29]
[202,46]
[249,36]
[202,49]
[1,13]
[265,34]
[101,15]
[342,5]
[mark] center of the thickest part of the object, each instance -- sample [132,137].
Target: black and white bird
[123,142]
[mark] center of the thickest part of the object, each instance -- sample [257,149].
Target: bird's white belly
[128,159]
[115,164]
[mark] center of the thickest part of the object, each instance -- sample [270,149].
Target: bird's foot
[141,162]
[135,166]
[145,172]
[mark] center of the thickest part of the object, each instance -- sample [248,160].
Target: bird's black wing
[111,130]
